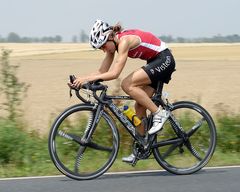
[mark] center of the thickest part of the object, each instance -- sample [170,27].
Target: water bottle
[130,113]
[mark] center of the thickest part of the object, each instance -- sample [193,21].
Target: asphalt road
[208,180]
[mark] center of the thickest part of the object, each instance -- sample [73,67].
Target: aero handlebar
[94,86]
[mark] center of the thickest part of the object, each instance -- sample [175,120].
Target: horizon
[174,39]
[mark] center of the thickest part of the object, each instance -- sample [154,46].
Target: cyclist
[140,84]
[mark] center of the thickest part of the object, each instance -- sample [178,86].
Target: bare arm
[106,63]
[116,69]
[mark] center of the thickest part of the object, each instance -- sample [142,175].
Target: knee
[125,85]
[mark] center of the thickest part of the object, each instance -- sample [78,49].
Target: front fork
[92,123]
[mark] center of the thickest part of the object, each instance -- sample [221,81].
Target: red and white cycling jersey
[149,46]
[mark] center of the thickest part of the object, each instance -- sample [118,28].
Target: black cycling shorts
[160,68]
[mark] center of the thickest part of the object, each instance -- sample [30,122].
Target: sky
[178,18]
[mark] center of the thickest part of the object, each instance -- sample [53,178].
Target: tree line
[82,37]
[235,38]
[15,38]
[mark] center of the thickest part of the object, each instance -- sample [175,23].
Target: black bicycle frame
[120,116]
[107,101]
[132,130]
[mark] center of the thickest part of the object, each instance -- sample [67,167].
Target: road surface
[224,179]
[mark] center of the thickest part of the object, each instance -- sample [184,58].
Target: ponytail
[117,28]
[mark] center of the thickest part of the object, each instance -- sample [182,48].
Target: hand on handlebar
[72,78]
[78,82]
[93,86]
[75,83]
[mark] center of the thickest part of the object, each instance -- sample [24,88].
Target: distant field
[206,73]
[187,51]
[30,49]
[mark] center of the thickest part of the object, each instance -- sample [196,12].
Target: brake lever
[72,78]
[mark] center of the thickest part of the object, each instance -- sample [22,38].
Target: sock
[158,111]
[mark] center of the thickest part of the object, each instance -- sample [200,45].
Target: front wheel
[72,154]
[187,140]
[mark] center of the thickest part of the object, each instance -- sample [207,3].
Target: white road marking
[112,173]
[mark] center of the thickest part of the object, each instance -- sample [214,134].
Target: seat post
[159,87]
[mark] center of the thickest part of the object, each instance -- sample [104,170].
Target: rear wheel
[70,152]
[188,154]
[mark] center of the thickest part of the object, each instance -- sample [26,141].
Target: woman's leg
[141,110]
[134,85]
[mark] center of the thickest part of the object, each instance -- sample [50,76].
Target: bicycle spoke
[173,141]
[195,127]
[193,150]
[79,158]
[99,147]
[77,139]
[71,137]
[65,135]
[170,150]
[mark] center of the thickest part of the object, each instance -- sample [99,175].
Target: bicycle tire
[193,154]
[75,159]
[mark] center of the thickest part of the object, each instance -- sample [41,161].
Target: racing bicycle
[84,139]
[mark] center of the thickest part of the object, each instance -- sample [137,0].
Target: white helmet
[99,33]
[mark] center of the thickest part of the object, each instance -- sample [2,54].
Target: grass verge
[26,154]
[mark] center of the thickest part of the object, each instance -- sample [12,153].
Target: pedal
[134,162]
[131,162]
